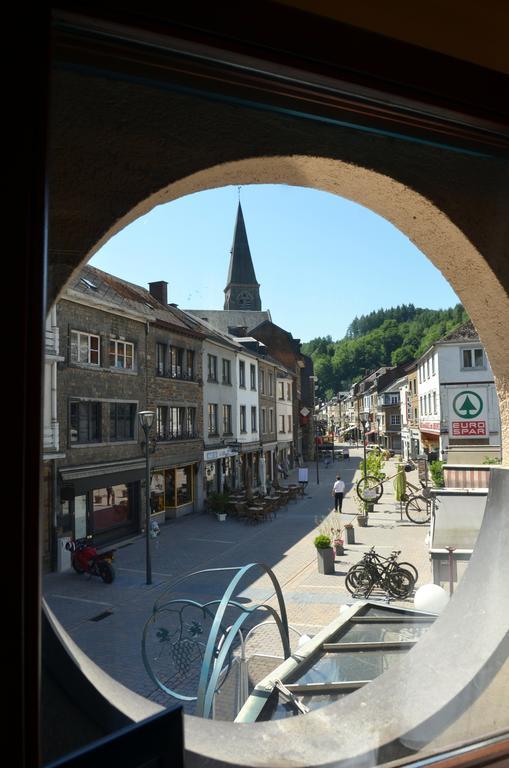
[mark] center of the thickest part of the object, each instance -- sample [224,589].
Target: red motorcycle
[86,559]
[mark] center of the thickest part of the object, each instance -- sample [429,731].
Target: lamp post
[365,426]
[313,380]
[332,427]
[146,420]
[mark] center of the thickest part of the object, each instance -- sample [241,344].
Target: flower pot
[325,559]
[362,520]
[350,535]
[338,548]
[221,516]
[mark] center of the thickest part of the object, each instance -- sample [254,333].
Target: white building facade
[458,405]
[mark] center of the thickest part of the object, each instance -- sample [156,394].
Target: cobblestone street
[107,621]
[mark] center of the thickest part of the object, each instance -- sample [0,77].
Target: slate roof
[241,264]
[102,288]
[222,319]
[465,332]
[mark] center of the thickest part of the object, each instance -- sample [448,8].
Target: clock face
[245,299]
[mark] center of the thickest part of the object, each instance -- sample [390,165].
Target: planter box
[350,535]
[221,516]
[362,520]
[339,550]
[325,559]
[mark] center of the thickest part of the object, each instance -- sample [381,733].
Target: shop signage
[430,426]
[467,413]
[220,453]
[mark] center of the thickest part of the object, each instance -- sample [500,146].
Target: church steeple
[242,290]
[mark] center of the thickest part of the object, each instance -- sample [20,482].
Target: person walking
[338,490]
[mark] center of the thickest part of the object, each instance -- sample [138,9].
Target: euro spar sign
[468,409]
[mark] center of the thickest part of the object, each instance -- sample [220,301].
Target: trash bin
[63,555]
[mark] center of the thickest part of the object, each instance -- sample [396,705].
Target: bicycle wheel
[369,489]
[400,583]
[358,580]
[418,509]
[411,569]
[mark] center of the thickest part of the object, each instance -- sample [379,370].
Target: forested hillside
[384,337]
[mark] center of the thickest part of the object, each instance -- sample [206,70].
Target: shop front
[172,491]
[219,470]
[430,439]
[100,501]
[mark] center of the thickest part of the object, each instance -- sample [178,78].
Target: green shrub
[437,473]
[217,502]
[491,460]
[322,542]
[400,483]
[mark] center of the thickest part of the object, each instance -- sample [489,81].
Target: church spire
[242,290]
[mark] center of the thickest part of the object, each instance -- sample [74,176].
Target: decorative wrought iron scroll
[173,643]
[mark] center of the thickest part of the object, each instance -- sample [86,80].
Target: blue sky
[320,259]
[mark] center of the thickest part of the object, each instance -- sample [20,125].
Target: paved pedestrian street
[107,620]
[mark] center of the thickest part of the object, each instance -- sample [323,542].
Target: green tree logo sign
[467,404]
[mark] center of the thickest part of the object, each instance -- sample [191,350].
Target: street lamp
[146,420]
[332,427]
[313,380]
[365,427]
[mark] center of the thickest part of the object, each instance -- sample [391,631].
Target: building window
[227,372]
[282,427]
[271,419]
[121,354]
[176,362]
[434,402]
[394,399]
[85,422]
[122,419]
[416,415]
[242,374]
[212,368]
[85,348]
[271,384]
[289,392]
[243,418]
[281,390]
[289,425]
[160,359]
[472,358]
[252,373]
[227,420]
[264,420]
[189,372]
[161,420]
[420,374]
[395,420]
[191,422]
[254,425]
[262,382]
[433,365]
[429,402]
[212,408]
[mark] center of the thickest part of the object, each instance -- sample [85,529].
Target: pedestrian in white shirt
[338,490]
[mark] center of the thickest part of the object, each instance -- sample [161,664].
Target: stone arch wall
[120,148]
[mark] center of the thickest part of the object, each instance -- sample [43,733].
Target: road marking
[214,541]
[80,600]
[136,570]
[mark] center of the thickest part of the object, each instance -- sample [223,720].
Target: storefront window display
[228,473]
[210,477]
[171,488]
[110,507]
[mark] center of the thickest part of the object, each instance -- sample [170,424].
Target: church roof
[241,265]
[223,319]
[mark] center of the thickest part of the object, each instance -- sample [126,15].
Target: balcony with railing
[52,341]
[172,435]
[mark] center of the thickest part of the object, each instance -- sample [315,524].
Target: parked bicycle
[418,504]
[398,579]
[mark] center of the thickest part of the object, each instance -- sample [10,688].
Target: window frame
[77,346]
[116,356]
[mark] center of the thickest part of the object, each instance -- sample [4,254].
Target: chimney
[159,291]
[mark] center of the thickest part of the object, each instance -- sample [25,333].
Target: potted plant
[325,554]
[217,502]
[337,540]
[362,516]
[350,533]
